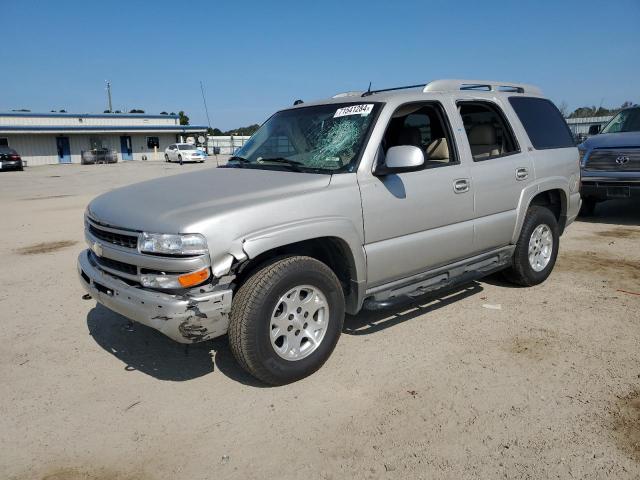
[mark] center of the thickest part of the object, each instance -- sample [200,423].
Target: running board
[465,271]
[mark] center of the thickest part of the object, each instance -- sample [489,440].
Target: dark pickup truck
[610,160]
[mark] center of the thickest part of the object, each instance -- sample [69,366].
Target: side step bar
[408,289]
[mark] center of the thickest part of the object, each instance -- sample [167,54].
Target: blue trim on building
[109,128]
[84,115]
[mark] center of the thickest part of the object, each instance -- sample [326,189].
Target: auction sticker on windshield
[364,110]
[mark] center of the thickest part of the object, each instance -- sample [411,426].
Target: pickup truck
[364,200]
[610,160]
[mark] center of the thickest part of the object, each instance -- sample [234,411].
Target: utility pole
[109,96]
[205,104]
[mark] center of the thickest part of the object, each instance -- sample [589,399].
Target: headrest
[483,134]
[410,136]
[438,149]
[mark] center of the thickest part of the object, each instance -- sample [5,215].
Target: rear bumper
[183,318]
[10,164]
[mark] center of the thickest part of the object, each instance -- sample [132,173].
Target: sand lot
[547,386]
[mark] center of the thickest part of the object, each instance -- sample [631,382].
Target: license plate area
[618,192]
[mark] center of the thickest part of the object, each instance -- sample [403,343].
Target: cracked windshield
[325,138]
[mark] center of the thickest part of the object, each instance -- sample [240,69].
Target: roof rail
[452,85]
[347,94]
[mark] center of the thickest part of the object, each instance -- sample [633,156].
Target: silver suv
[364,200]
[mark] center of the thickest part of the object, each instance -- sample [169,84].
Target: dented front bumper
[183,318]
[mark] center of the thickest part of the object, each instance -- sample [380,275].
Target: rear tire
[537,248]
[166,157]
[269,336]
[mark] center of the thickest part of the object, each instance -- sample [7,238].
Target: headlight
[582,153]
[171,244]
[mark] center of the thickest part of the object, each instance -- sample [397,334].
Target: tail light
[14,157]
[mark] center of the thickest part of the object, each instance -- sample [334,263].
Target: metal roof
[100,128]
[84,115]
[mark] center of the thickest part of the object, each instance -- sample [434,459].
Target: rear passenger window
[488,132]
[543,122]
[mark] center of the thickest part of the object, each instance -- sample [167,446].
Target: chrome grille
[614,160]
[121,267]
[110,236]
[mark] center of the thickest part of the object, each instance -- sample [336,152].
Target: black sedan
[10,159]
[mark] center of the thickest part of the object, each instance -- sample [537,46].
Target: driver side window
[422,125]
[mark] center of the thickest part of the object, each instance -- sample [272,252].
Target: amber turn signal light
[193,278]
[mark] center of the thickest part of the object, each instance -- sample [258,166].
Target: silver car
[364,200]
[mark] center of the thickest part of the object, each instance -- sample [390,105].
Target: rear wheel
[537,248]
[166,157]
[180,159]
[286,319]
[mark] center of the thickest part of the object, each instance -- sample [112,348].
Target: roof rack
[451,85]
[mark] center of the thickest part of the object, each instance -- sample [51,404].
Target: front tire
[286,319]
[537,248]
[166,157]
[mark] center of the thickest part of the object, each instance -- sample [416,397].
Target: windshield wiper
[241,160]
[292,164]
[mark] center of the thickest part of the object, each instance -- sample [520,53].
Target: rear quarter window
[543,122]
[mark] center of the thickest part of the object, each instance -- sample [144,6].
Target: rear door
[64,150]
[499,169]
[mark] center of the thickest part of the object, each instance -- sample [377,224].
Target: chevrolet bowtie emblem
[97,249]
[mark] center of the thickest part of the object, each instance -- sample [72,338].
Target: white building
[47,138]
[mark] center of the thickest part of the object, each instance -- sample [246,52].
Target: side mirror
[403,158]
[594,129]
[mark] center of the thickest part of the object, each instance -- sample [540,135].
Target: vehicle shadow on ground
[144,349]
[615,212]
[368,322]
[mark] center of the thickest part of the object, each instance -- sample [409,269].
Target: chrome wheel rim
[540,247]
[299,322]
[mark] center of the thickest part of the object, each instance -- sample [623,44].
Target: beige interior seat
[482,140]
[437,151]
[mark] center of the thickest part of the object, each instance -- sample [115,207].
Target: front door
[125,147]
[64,150]
[418,220]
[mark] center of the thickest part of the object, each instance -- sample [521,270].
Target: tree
[164,113]
[215,132]
[107,111]
[118,111]
[184,119]
[63,111]
[136,110]
[173,113]
[564,108]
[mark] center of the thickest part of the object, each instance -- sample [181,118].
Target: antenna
[204,100]
[369,89]
[109,95]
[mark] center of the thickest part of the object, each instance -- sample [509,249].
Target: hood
[612,140]
[173,204]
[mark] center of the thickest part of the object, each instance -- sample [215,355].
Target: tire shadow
[146,350]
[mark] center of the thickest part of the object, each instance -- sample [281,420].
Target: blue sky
[256,57]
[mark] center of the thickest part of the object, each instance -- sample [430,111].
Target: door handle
[522,173]
[461,185]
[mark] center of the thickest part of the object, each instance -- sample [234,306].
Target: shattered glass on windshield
[322,137]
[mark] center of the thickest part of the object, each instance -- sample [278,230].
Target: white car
[183,152]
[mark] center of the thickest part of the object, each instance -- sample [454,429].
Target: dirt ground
[489,381]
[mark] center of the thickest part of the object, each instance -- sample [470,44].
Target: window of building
[422,125]
[4,142]
[153,142]
[489,134]
[543,122]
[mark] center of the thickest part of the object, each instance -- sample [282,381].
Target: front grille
[614,160]
[114,264]
[123,240]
